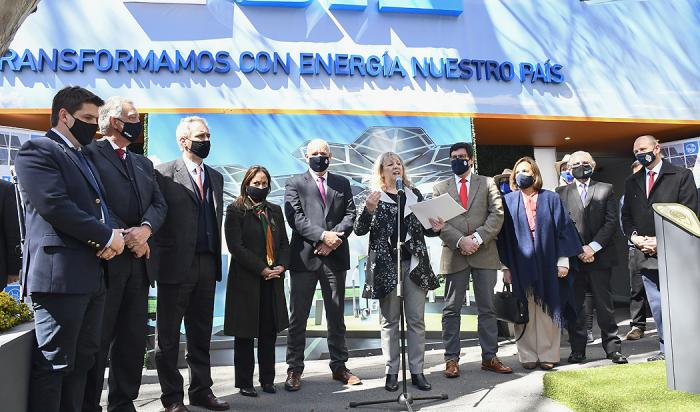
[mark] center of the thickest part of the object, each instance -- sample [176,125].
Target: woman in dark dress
[255,304]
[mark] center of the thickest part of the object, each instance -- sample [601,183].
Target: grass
[634,387]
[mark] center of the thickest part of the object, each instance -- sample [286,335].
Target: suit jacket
[484,216]
[152,206]
[246,241]
[596,220]
[308,219]
[63,216]
[176,240]
[673,185]
[10,257]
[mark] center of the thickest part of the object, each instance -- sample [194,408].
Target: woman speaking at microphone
[379,217]
[255,303]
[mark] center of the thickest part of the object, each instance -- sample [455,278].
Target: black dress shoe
[249,392]
[210,402]
[418,380]
[176,407]
[269,388]
[392,382]
[576,357]
[617,357]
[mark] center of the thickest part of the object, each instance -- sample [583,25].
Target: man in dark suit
[189,248]
[593,208]
[68,232]
[658,182]
[136,206]
[321,212]
[10,256]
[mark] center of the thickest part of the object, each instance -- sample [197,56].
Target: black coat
[10,256]
[308,219]
[177,240]
[596,220]
[116,180]
[246,242]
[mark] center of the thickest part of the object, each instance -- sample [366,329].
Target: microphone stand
[405,398]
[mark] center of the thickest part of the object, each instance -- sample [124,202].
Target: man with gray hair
[321,212]
[189,244]
[593,209]
[137,207]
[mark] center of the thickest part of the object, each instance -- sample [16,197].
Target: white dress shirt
[458,182]
[656,171]
[587,184]
[315,177]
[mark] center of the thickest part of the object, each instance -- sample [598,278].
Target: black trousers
[123,341]
[599,283]
[302,290]
[67,332]
[243,351]
[192,301]
[639,307]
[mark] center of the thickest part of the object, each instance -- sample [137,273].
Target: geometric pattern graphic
[425,161]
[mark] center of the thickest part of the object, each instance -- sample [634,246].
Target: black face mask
[131,131]
[200,148]
[524,181]
[582,172]
[460,166]
[319,163]
[83,132]
[646,158]
[256,194]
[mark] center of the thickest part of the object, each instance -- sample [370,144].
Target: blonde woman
[379,218]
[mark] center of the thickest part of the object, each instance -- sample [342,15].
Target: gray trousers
[301,294]
[414,307]
[456,285]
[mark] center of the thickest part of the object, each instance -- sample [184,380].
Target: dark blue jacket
[63,212]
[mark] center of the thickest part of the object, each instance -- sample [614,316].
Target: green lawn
[637,387]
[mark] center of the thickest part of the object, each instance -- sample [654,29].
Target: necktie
[121,153]
[584,192]
[322,190]
[651,183]
[200,185]
[463,195]
[86,168]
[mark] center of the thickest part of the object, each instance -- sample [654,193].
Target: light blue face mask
[567,176]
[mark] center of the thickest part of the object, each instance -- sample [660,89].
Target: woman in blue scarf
[535,244]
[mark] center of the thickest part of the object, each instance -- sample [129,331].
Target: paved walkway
[521,391]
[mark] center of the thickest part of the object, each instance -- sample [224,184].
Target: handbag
[509,308]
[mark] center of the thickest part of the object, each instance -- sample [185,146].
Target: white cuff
[147,223]
[109,242]
[477,237]
[595,246]
[459,240]
[563,262]
[322,235]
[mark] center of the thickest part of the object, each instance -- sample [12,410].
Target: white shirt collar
[191,166]
[587,183]
[458,179]
[316,176]
[65,139]
[656,170]
[114,145]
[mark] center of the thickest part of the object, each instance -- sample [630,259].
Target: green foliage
[13,313]
[633,387]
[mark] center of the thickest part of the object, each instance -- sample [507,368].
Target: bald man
[320,210]
[657,182]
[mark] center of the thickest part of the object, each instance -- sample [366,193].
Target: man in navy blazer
[68,234]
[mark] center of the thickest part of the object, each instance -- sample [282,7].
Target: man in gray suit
[189,246]
[469,249]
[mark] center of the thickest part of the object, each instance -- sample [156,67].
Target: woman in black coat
[255,304]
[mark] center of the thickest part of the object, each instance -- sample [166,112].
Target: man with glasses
[469,249]
[593,209]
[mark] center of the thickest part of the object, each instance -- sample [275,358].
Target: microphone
[399,184]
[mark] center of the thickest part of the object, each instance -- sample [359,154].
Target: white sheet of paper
[443,206]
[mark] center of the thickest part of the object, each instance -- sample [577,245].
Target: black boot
[420,382]
[392,382]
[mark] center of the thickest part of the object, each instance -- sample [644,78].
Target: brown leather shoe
[452,369]
[176,407]
[344,375]
[635,334]
[546,366]
[211,402]
[293,382]
[495,365]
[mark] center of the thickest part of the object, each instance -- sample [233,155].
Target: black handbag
[509,308]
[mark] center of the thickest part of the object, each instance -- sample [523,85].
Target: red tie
[463,196]
[651,182]
[121,153]
[200,186]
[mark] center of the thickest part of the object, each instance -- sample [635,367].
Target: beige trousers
[541,339]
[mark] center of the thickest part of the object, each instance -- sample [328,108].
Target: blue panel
[275,3]
[347,4]
[446,7]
